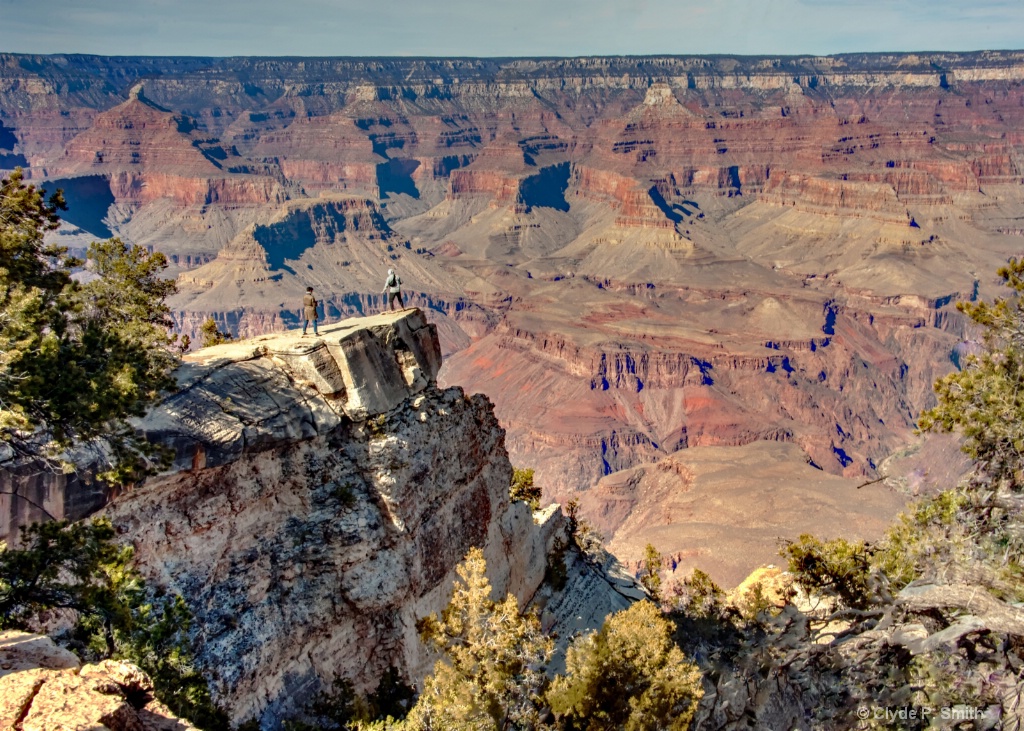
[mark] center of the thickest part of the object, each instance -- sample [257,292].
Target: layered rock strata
[627,255]
[322,491]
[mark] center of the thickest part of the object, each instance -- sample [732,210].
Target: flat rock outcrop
[45,688]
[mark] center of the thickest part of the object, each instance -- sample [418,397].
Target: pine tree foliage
[630,675]
[25,260]
[985,399]
[491,676]
[77,360]
[211,334]
[650,574]
[582,534]
[700,596]
[79,568]
[836,568]
[522,488]
[340,707]
[59,569]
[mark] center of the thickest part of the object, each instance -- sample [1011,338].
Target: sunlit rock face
[43,686]
[323,491]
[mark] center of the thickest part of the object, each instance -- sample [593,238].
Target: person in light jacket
[309,312]
[393,288]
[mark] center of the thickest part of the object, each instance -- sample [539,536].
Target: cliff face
[322,492]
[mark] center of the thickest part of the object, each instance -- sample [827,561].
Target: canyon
[630,257]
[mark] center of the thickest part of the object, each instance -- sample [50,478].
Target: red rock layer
[135,135]
[142,188]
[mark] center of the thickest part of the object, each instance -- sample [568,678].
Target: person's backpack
[394,282]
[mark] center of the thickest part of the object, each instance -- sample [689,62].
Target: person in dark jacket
[309,312]
[393,288]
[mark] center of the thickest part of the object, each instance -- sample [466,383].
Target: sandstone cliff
[322,492]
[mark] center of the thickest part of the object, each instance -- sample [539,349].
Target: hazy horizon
[454,57]
[528,28]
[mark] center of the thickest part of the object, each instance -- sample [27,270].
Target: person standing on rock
[393,288]
[309,312]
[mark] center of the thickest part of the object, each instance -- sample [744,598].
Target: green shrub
[555,573]
[628,675]
[79,360]
[377,426]
[755,602]
[211,335]
[927,528]
[523,489]
[491,671]
[582,534]
[78,566]
[700,596]
[392,698]
[650,573]
[344,493]
[836,568]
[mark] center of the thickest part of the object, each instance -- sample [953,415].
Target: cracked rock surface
[43,687]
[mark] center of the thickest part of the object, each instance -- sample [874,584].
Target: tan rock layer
[44,688]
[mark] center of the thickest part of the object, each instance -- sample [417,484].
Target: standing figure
[393,288]
[309,312]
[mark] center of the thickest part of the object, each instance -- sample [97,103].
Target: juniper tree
[650,574]
[522,488]
[211,334]
[491,675]
[629,675]
[984,400]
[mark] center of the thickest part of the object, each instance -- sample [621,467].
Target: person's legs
[315,333]
[391,300]
[401,300]
[305,324]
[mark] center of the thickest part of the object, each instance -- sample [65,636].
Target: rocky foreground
[44,687]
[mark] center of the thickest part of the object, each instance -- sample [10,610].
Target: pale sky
[506,27]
